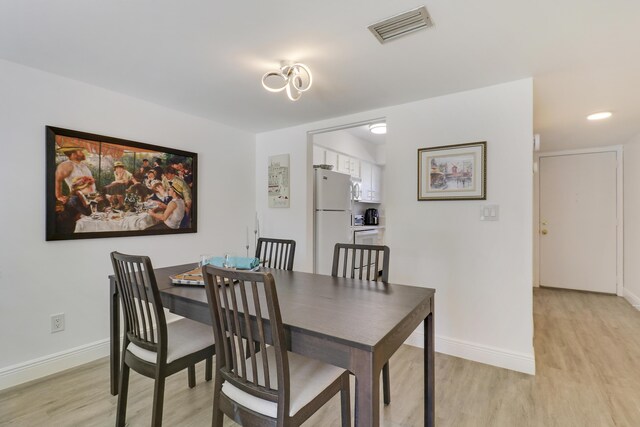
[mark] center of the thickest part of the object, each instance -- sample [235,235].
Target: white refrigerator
[332,194]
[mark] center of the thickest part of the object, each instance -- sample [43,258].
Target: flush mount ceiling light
[599,116]
[295,78]
[378,128]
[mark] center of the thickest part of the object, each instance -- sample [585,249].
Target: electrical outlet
[57,322]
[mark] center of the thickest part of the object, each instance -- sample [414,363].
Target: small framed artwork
[453,172]
[100,186]
[279,184]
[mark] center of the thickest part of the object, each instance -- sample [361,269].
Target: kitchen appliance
[371,236]
[356,189]
[332,214]
[371,216]
[358,220]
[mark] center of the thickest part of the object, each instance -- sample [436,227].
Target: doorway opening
[347,166]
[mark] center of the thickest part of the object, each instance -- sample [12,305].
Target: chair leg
[191,373]
[345,400]
[218,416]
[121,414]
[208,369]
[386,388]
[158,401]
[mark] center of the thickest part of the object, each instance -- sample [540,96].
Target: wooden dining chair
[263,385]
[364,262]
[276,253]
[152,347]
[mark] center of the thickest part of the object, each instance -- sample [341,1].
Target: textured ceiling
[206,58]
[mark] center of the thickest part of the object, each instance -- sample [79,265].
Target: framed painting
[453,172]
[279,184]
[100,186]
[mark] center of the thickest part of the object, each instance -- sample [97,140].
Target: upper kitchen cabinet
[318,155]
[349,165]
[322,156]
[371,185]
[376,183]
[331,158]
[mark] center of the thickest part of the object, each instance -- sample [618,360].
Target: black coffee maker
[371,216]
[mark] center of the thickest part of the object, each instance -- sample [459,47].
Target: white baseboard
[633,299]
[53,363]
[478,353]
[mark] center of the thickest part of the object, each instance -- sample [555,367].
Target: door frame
[311,244]
[618,149]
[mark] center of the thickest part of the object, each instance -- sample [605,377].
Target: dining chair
[276,253]
[271,386]
[152,347]
[363,262]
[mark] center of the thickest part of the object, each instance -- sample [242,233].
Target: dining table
[351,323]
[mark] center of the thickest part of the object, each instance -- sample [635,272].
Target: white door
[578,222]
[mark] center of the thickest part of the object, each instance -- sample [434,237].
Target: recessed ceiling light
[599,116]
[378,128]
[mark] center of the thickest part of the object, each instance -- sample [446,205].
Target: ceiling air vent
[401,25]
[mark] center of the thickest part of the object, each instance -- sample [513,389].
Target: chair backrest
[276,253]
[144,320]
[231,295]
[361,262]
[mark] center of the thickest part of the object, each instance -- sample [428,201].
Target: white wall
[631,223]
[39,278]
[482,271]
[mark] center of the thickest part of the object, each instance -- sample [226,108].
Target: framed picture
[453,172]
[99,186]
[279,186]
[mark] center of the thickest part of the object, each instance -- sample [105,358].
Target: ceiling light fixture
[599,116]
[295,78]
[378,128]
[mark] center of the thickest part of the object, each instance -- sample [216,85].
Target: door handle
[544,231]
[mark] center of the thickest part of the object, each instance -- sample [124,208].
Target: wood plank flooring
[588,374]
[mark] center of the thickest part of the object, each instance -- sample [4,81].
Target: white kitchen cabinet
[331,158]
[365,185]
[318,155]
[376,183]
[354,168]
[344,164]
[349,165]
[371,185]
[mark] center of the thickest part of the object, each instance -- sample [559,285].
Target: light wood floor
[588,374]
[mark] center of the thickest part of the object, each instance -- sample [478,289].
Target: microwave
[356,190]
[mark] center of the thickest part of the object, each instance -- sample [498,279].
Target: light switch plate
[490,213]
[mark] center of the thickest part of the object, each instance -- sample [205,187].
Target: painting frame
[453,172]
[279,181]
[105,151]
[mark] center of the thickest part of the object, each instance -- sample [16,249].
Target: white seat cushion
[184,337]
[307,378]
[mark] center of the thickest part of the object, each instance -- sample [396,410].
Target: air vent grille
[401,25]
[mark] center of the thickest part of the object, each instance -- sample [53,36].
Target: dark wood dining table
[355,324]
